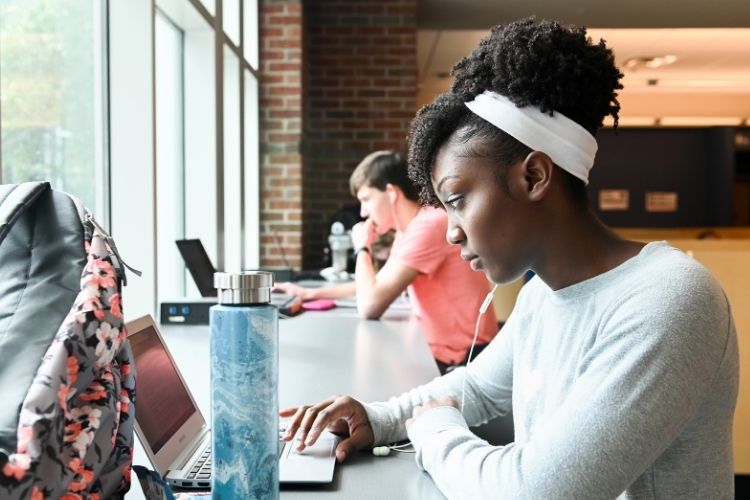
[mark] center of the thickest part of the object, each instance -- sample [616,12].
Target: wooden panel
[505,299]
[729,261]
[668,233]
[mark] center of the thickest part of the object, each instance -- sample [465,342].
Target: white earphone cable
[482,310]
[385,450]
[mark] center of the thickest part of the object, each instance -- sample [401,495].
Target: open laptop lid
[199,264]
[167,418]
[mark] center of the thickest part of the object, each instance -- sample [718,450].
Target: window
[200,180]
[159,138]
[170,172]
[52,97]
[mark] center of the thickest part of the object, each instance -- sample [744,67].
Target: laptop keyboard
[202,467]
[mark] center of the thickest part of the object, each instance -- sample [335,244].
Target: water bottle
[340,242]
[244,387]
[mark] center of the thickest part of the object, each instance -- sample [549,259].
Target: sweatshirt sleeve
[489,380]
[639,385]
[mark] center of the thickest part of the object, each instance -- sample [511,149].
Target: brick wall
[360,87]
[349,89]
[280,95]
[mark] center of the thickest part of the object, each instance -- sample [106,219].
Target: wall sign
[614,200]
[661,201]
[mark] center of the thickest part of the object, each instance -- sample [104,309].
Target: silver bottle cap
[246,287]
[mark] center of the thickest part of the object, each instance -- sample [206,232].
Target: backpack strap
[15,199]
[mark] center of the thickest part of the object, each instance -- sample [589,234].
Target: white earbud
[487,302]
[381,451]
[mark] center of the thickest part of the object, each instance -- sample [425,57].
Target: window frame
[135,226]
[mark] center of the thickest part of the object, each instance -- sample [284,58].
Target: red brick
[284,20]
[278,90]
[270,32]
[286,66]
[284,43]
[294,8]
[271,55]
[285,113]
[271,8]
[293,31]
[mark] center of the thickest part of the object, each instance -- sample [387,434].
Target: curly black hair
[546,65]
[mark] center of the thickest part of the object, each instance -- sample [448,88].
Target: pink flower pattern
[17,466]
[114,305]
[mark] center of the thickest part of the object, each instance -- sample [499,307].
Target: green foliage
[49,75]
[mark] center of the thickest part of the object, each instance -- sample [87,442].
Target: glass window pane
[170,167]
[51,96]
[231,19]
[250,25]
[200,143]
[232,171]
[252,174]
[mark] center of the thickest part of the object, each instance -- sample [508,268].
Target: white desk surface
[321,354]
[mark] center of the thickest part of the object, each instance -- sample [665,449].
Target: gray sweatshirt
[623,385]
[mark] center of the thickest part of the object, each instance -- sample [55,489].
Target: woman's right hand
[341,415]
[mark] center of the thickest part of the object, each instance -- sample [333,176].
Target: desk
[325,353]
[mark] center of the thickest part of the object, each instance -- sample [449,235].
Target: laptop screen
[164,404]
[199,264]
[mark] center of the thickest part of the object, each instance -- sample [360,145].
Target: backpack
[67,379]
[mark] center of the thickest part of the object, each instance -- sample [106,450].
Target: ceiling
[710,77]
[482,14]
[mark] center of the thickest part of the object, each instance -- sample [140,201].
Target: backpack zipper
[111,243]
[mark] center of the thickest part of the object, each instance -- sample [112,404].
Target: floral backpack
[67,380]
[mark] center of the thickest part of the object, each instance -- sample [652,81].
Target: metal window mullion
[219,79]
[154,214]
[238,49]
[246,65]
[183,177]
[243,229]
[106,133]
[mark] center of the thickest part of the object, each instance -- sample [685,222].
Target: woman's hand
[428,405]
[341,415]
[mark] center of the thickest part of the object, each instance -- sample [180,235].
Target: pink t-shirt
[446,294]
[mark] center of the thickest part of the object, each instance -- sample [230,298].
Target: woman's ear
[537,169]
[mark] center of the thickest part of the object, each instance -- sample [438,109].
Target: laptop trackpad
[323,448]
[314,464]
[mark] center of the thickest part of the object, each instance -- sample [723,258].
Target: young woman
[620,359]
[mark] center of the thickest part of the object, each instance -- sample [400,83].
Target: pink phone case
[319,305]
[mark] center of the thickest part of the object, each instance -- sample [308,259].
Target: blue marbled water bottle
[244,387]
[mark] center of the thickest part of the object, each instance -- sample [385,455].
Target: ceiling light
[651,62]
[699,121]
[658,62]
[631,121]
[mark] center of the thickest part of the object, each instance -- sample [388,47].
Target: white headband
[569,145]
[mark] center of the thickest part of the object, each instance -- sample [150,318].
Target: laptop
[174,434]
[202,270]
